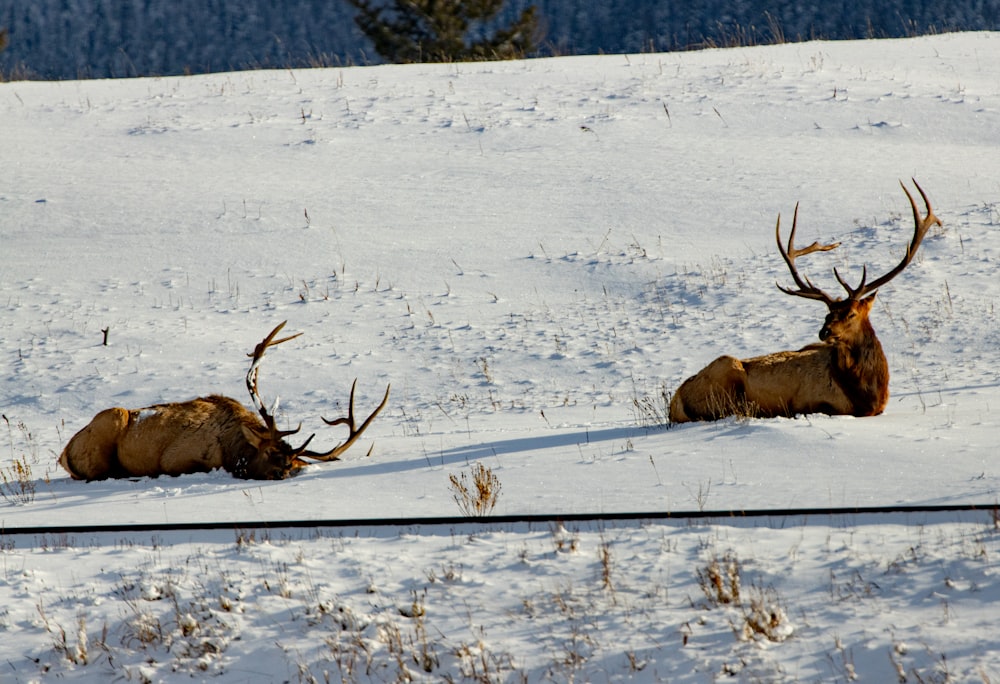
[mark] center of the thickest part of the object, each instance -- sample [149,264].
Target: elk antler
[354,431]
[258,356]
[920,227]
[809,291]
[805,287]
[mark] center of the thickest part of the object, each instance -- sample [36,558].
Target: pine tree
[405,31]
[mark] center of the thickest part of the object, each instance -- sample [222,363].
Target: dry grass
[17,485]
[475,494]
[761,613]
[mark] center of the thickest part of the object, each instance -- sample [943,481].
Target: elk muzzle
[826,332]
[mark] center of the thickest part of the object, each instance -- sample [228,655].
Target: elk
[846,373]
[201,435]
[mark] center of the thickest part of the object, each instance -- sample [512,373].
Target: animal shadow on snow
[463,455]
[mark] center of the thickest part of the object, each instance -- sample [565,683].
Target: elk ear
[867,302]
[251,436]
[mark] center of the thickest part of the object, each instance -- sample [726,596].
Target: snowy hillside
[533,254]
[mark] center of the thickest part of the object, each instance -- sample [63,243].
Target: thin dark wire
[499,520]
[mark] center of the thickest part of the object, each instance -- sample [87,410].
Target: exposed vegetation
[435,31]
[475,494]
[17,485]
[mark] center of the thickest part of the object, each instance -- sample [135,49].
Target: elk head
[275,458]
[847,320]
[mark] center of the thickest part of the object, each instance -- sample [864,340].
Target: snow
[533,254]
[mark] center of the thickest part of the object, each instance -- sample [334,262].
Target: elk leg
[92,453]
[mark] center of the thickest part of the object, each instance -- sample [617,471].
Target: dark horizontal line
[494,520]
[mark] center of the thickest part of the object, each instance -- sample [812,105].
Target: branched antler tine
[269,341]
[298,452]
[790,253]
[920,228]
[354,431]
[281,434]
[852,292]
[258,356]
[349,420]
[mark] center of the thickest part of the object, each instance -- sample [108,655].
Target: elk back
[166,439]
[785,383]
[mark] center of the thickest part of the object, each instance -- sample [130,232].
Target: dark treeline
[651,25]
[121,38]
[118,38]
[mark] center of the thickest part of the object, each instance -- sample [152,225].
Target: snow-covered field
[534,254]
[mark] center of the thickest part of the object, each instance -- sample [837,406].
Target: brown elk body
[198,436]
[846,373]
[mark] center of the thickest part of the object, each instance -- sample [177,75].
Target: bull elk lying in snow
[200,435]
[846,373]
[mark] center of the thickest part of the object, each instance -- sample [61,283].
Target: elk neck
[862,371]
